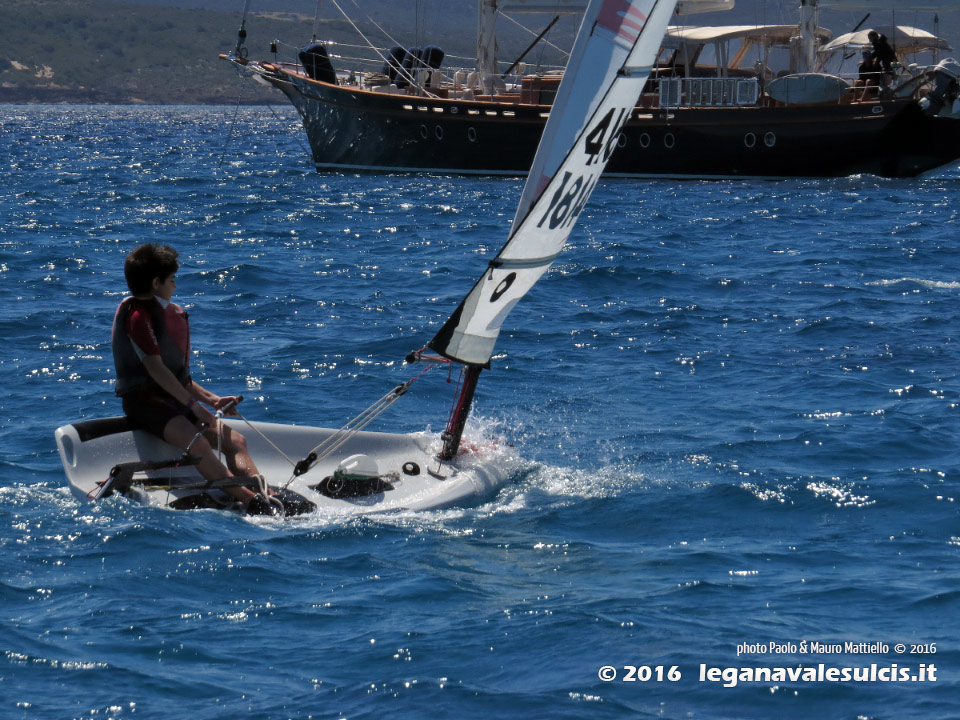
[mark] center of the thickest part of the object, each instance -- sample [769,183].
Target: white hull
[408,462]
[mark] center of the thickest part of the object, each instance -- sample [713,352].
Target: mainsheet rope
[322,450]
[345,433]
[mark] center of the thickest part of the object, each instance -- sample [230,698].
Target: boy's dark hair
[147,262]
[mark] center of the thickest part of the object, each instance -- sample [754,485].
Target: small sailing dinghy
[351,470]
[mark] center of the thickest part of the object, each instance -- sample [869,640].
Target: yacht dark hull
[353,129]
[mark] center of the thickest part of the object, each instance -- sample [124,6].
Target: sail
[609,64]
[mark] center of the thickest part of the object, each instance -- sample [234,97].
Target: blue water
[737,406]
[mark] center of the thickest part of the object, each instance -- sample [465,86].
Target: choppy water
[736,404]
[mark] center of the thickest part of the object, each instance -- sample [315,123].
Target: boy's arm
[214,401]
[168,381]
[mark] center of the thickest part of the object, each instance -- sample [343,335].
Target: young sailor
[151,353]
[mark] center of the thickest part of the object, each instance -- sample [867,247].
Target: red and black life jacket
[131,373]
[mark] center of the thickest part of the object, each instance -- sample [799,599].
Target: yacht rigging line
[530,47]
[300,142]
[565,53]
[233,124]
[402,71]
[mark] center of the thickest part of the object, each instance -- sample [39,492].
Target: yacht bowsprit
[724,101]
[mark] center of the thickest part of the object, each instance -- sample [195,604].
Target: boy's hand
[229,402]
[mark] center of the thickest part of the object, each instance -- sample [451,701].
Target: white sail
[609,64]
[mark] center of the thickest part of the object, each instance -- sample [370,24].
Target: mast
[487,27]
[808,36]
[487,40]
[242,32]
[611,60]
[458,418]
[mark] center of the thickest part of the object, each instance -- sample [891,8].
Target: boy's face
[165,287]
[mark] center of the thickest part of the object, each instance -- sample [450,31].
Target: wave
[932,284]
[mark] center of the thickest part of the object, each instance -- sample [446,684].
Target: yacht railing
[708,92]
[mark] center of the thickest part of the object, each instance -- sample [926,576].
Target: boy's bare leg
[180,432]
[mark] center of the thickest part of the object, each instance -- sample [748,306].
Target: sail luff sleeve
[617,43]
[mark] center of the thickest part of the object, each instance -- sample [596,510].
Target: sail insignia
[609,64]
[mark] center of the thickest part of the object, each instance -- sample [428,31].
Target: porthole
[769,139]
[472,134]
[621,140]
[423,132]
[438,132]
[644,140]
[669,141]
[750,140]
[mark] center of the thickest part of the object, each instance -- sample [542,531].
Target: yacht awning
[766,34]
[903,38]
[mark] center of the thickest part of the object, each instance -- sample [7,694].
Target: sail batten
[523,263]
[611,58]
[640,72]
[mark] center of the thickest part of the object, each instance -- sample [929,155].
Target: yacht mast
[487,26]
[807,56]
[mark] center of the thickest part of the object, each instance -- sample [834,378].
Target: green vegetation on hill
[112,51]
[100,51]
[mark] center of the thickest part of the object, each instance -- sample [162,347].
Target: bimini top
[678,35]
[903,38]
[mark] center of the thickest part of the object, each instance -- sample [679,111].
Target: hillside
[106,51]
[165,51]
[109,51]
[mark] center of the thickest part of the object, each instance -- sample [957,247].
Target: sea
[734,408]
